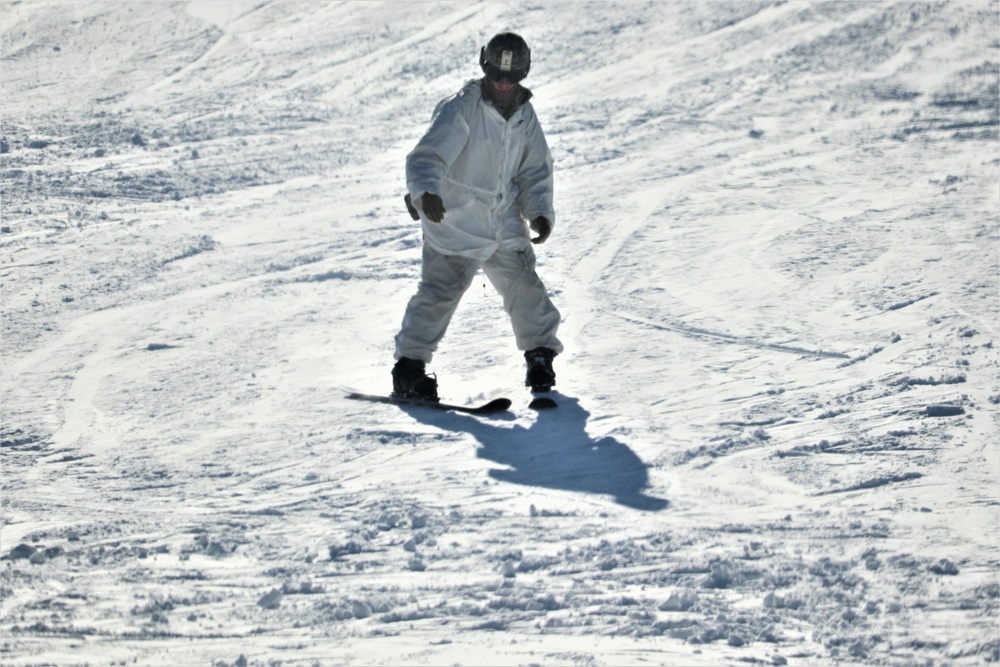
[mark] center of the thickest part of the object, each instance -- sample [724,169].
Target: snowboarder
[479,174]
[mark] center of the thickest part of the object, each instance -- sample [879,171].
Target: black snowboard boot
[540,376]
[410,381]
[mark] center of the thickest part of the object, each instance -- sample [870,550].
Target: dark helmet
[506,56]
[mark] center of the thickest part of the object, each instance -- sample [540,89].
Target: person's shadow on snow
[555,452]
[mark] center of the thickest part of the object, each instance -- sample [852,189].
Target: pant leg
[443,281]
[533,316]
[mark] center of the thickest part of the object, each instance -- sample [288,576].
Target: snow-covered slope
[776,257]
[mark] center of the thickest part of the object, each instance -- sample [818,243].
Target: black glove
[541,225]
[410,208]
[433,206]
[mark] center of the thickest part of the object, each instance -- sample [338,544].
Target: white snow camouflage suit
[492,175]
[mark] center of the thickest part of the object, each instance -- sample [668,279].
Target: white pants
[445,278]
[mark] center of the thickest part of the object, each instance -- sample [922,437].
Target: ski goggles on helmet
[495,74]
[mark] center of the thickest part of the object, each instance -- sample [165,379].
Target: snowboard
[493,407]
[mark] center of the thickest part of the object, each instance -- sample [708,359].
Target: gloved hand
[433,206]
[541,225]
[410,208]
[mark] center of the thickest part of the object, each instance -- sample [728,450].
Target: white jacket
[491,174]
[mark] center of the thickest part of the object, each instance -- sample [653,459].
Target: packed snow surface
[776,257]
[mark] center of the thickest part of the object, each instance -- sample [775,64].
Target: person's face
[503,87]
[503,82]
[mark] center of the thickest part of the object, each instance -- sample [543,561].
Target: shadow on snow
[555,452]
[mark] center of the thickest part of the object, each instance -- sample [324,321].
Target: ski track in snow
[776,255]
